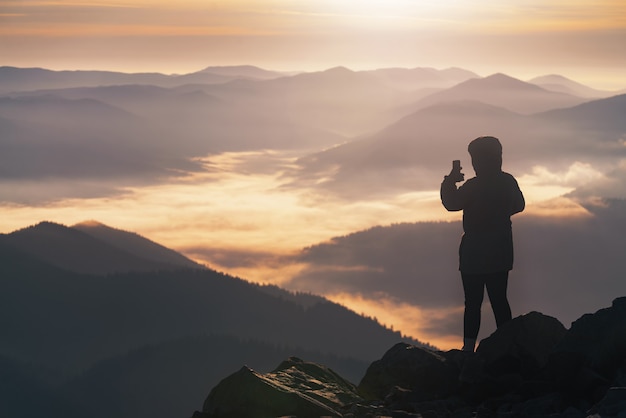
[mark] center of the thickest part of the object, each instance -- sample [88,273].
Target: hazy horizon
[523,39]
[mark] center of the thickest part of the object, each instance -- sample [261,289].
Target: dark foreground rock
[591,357]
[530,367]
[294,388]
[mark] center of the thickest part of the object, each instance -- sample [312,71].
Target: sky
[234,207]
[579,39]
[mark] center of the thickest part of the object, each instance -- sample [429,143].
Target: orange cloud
[413,321]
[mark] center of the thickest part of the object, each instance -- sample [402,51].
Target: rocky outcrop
[522,346]
[531,367]
[427,374]
[591,357]
[409,378]
[294,388]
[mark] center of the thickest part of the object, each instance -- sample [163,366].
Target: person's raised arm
[451,196]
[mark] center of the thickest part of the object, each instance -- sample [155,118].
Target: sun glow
[394,14]
[373,7]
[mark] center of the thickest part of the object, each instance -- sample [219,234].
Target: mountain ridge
[82,249]
[563,84]
[37,78]
[92,316]
[504,91]
[130,144]
[603,113]
[135,244]
[401,156]
[250,71]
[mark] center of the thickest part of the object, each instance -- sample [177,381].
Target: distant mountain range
[414,152]
[562,84]
[115,130]
[13,79]
[85,308]
[506,92]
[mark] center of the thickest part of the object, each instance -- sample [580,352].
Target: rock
[522,346]
[551,404]
[470,367]
[316,381]
[598,340]
[295,388]
[572,412]
[425,373]
[612,404]
[508,359]
[592,355]
[530,367]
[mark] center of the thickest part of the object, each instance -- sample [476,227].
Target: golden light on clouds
[543,184]
[226,206]
[412,320]
[253,16]
[237,210]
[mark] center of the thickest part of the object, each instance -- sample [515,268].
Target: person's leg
[496,289]
[474,288]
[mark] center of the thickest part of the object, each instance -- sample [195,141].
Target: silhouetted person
[486,251]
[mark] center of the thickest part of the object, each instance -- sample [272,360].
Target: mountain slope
[80,140]
[600,115]
[241,71]
[24,394]
[503,91]
[412,153]
[68,321]
[135,244]
[140,99]
[558,83]
[338,99]
[142,119]
[13,79]
[82,250]
[51,108]
[164,339]
[163,380]
[417,264]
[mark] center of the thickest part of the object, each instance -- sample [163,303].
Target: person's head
[486,153]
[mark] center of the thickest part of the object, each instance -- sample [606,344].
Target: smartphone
[456,173]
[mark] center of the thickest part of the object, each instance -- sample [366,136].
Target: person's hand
[455,174]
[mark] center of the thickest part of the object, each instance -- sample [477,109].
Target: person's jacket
[487,202]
